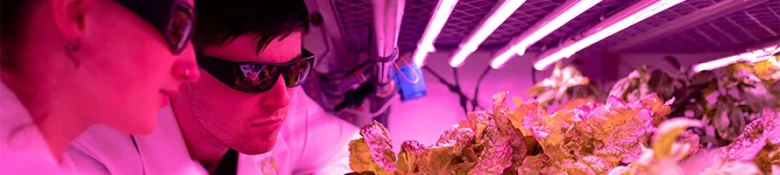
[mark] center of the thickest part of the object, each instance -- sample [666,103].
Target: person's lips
[272,120]
[269,122]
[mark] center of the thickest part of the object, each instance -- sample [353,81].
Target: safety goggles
[252,77]
[173,18]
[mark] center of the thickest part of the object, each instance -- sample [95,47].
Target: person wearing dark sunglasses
[247,115]
[69,65]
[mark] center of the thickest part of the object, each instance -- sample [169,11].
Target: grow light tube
[751,56]
[560,16]
[439,18]
[497,17]
[625,18]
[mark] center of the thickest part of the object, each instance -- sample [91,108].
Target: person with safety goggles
[247,115]
[67,65]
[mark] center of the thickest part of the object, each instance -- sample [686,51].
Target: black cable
[455,73]
[370,39]
[463,98]
[533,75]
[475,100]
[436,75]
[452,87]
[455,88]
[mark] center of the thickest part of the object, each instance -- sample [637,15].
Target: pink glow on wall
[440,109]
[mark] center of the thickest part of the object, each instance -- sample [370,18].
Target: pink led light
[718,63]
[499,14]
[439,18]
[622,20]
[752,56]
[544,27]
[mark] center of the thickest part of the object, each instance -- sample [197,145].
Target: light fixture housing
[554,20]
[760,54]
[440,16]
[498,15]
[625,18]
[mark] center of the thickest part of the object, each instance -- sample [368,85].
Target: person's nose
[185,68]
[277,97]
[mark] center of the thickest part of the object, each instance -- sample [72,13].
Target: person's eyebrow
[300,56]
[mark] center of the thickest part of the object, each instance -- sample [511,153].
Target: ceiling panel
[742,28]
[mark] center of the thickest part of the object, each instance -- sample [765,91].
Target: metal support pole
[387,24]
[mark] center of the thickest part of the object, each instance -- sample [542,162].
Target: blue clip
[410,81]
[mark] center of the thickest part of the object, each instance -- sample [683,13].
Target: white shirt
[23,149]
[310,142]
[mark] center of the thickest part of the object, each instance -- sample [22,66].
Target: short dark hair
[13,14]
[222,21]
[10,12]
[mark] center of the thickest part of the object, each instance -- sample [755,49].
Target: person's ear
[69,16]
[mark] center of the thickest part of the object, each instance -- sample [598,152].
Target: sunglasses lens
[180,28]
[298,73]
[255,78]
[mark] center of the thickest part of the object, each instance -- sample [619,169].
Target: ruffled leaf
[554,88]
[667,136]
[411,151]
[495,156]
[523,110]
[360,159]
[732,168]
[631,88]
[662,159]
[380,145]
[456,137]
[768,157]
[442,160]
[535,165]
[753,139]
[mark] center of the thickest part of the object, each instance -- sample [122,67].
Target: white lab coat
[310,142]
[22,147]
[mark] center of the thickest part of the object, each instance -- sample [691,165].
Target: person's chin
[259,147]
[139,126]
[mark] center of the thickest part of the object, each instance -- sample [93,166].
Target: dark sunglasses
[258,77]
[173,18]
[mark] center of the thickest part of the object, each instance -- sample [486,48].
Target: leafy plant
[726,100]
[759,143]
[665,152]
[755,151]
[565,83]
[483,144]
[736,108]
[585,137]
[582,137]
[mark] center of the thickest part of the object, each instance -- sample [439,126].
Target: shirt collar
[20,134]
